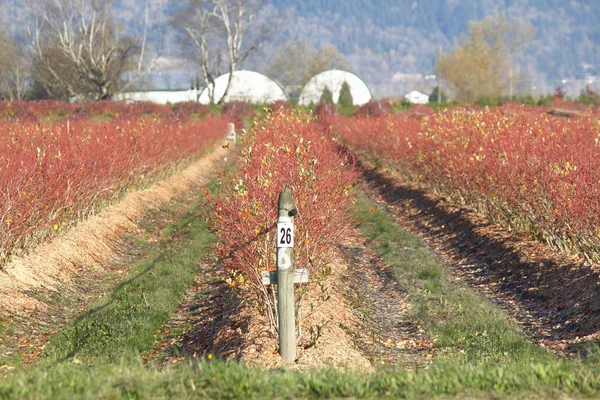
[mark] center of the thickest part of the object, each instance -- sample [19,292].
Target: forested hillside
[387,37]
[392,43]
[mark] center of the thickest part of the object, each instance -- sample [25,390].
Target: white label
[283,259]
[285,234]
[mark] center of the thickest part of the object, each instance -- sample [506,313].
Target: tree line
[77,50]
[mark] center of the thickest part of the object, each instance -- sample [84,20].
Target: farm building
[417,97]
[248,86]
[158,96]
[333,80]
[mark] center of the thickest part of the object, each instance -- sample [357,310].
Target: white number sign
[285,234]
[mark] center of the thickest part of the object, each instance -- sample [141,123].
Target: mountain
[390,42]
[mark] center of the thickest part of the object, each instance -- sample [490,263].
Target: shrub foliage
[516,163]
[292,151]
[53,172]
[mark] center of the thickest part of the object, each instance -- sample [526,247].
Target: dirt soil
[390,335]
[43,290]
[360,317]
[356,318]
[555,297]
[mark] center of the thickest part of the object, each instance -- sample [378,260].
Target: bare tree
[80,52]
[14,69]
[200,29]
[218,28]
[480,64]
[298,61]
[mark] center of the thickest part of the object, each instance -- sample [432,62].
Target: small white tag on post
[284,260]
[285,234]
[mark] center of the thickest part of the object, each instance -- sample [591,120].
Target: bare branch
[79,52]
[14,69]
[216,27]
[479,65]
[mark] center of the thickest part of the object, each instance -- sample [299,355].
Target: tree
[345,98]
[438,94]
[345,101]
[15,69]
[480,64]
[326,96]
[81,53]
[325,59]
[216,30]
[588,96]
[298,61]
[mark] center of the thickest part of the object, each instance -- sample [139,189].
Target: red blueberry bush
[374,109]
[292,151]
[50,110]
[238,112]
[518,164]
[54,172]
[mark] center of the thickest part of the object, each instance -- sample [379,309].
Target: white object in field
[333,80]
[247,86]
[231,132]
[158,96]
[417,97]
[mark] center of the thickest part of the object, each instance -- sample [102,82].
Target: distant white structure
[248,86]
[417,97]
[333,80]
[158,96]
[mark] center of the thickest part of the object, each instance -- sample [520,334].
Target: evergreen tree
[345,101]
[345,95]
[435,95]
[326,97]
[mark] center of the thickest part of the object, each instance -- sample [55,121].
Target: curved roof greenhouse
[248,86]
[333,80]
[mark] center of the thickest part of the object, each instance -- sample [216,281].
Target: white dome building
[248,86]
[333,80]
[417,97]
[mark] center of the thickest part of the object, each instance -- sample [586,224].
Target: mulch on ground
[555,297]
[355,317]
[49,304]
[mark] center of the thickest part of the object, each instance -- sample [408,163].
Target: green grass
[125,323]
[98,356]
[221,380]
[466,326]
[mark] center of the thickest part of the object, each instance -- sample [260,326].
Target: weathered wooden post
[231,132]
[286,276]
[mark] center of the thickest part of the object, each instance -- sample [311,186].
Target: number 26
[286,235]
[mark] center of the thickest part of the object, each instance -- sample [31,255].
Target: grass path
[483,354]
[125,323]
[465,325]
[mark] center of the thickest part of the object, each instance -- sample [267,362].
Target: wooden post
[231,132]
[285,276]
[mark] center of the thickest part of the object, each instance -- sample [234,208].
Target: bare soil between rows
[555,297]
[357,317]
[43,290]
[354,318]
[364,319]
